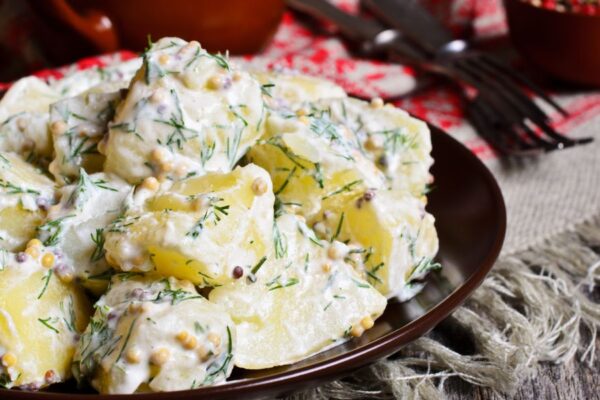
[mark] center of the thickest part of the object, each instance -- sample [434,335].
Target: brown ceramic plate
[471,220]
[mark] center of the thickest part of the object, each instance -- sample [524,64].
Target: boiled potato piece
[41,318]
[24,195]
[26,134]
[302,299]
[283,90]
[104,79]
[397,143]
[397,237]
[313,162]
[77,125]
[29,94]
[75,227]
[199,228]
[24,119]
[155,334]
[186,111]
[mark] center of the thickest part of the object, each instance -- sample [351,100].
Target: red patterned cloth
[295,47]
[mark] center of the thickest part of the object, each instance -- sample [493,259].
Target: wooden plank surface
[572,381]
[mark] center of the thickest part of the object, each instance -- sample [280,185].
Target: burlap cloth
[534,306]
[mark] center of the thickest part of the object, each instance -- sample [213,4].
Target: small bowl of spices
[559,37]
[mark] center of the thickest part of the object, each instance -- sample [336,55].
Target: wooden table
[572,381]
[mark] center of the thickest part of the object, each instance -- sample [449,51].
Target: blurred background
[38,34]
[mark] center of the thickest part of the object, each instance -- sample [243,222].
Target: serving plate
[471,221]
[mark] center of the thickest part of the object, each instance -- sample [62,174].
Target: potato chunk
[186,111]
[24,118]
[301,300]
[75,227]
[283,90]
[24,195]
[41,318]
[155,334]
[77,125]
[313,162]
[397,237]
[397,143]
[199,228]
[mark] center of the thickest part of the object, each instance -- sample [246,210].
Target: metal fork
[500,111]
[496,82]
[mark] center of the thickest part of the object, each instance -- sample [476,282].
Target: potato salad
[168,219]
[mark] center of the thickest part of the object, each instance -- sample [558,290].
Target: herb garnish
[346,188]
[98,239]
[48,323]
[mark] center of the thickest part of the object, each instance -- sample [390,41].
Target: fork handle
[410,18]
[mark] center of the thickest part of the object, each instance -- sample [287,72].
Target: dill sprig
[98,239]
[346,188]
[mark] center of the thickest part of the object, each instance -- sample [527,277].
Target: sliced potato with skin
[155,334]
[302,299]
[78,124]
[313,162]
[25,194]
[186,111]
[75,227]
[199,228]
[41,318]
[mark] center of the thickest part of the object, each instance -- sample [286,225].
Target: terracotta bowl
[239,26]
[562,44]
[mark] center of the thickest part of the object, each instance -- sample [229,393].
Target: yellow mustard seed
[203,353]
[163,59]
[180,171]
[160,356]
[133,355]
[334,252]
[34,243]
[166,166]
[190,343]
[377,102]
[150,183]
[158,155]
[367,322]
[357,330]
[259,186]
[302,111]
[66,277]
[58,127]
[304,120]
[48,260]
[9,360]
[182,336]
[215,82]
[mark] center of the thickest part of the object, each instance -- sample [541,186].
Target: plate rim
[341,364]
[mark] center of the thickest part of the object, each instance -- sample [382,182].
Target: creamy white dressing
[199,108]
[75,226]
[155,332]
[78,124]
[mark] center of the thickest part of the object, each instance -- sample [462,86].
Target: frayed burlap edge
[533,307]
